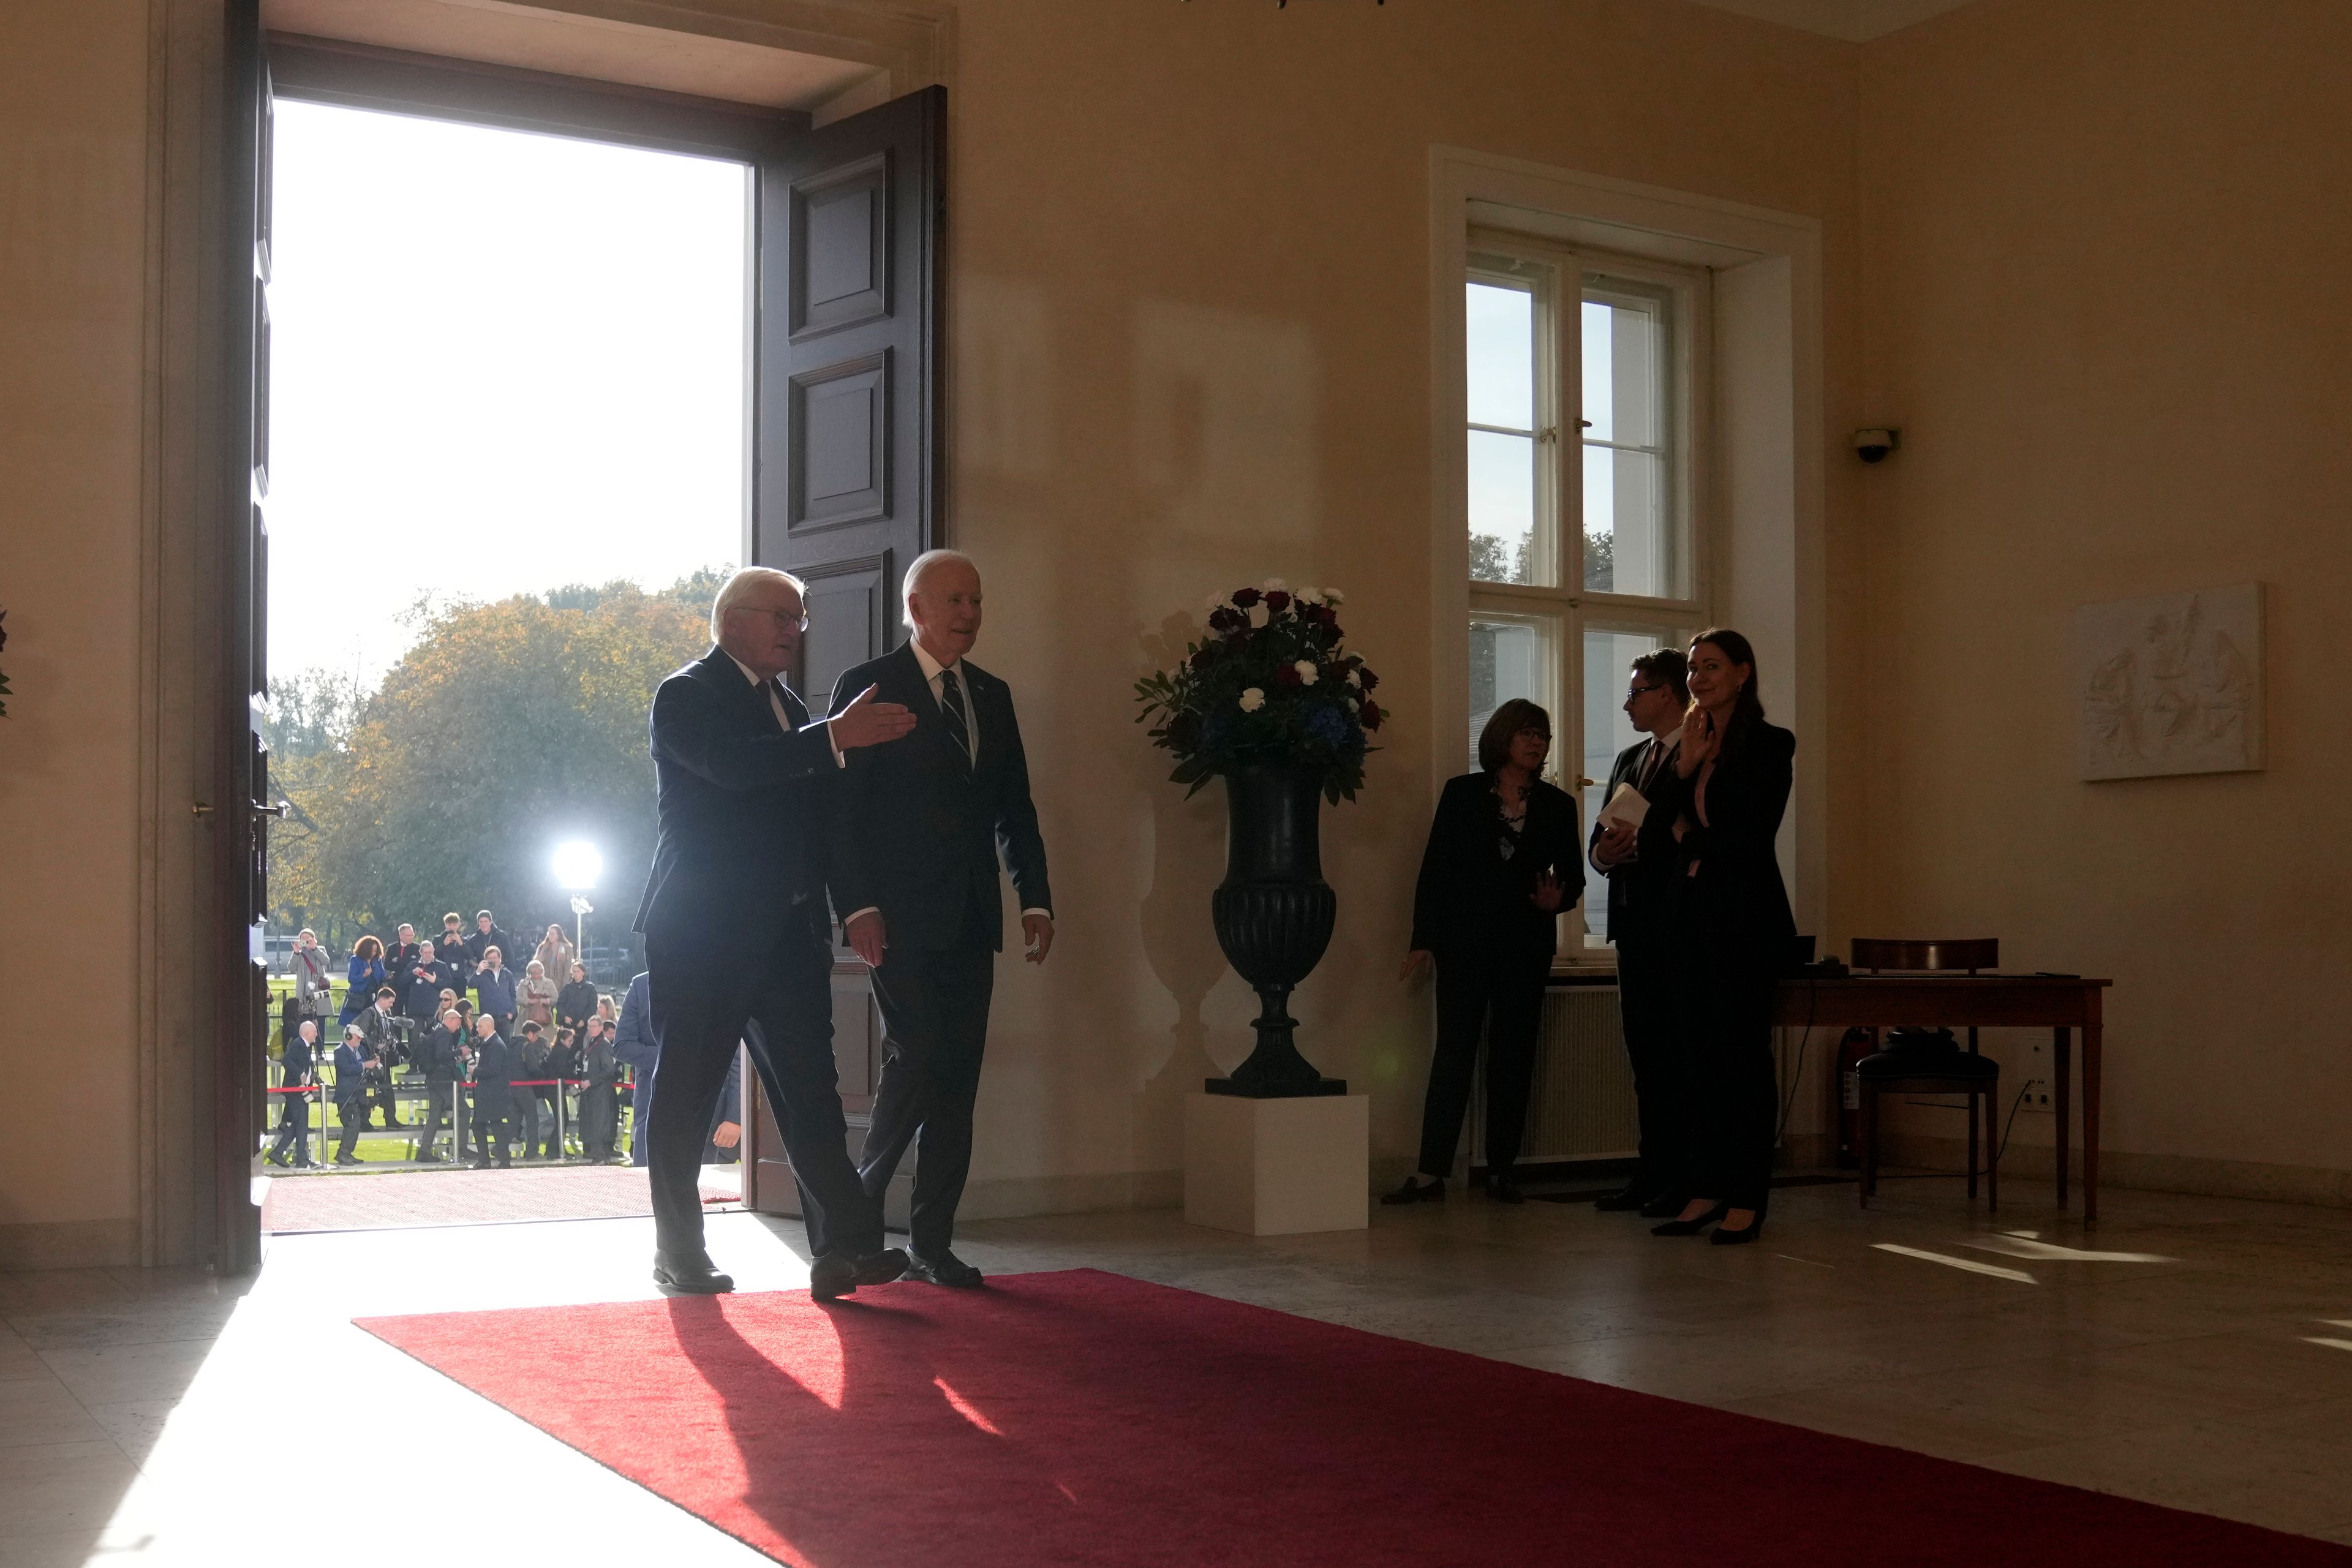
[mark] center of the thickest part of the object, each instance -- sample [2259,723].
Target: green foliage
[311,714]
[506,728]
[1271,681]
[1488,562]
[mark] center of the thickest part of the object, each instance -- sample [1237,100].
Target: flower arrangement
[1269,682]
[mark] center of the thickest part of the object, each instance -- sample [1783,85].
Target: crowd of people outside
[538,1064]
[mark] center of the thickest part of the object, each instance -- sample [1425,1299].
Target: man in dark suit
[1637,862]
[916,874]
[492,1069]
[293,1145]
[736,932]
[351,1062]
[380,1028]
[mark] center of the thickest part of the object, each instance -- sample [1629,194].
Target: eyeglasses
[1532,732]
[797,619]
[1634,692]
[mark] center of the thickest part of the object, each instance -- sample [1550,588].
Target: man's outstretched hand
[867,937]
[866,722]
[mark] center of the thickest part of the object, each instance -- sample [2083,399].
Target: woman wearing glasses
[1733,932]
[1503,860]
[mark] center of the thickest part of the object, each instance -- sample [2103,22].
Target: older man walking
[736,930]
[916,871]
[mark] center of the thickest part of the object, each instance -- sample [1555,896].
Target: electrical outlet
[2037,1096]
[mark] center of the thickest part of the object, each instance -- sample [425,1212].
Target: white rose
[1306,668]
[1355,677]
[1334,597]
[1274,585]
[1252,700]
[1309,595]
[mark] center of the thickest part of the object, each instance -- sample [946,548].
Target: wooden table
[2061,1004]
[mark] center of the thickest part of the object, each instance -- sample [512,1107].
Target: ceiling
[569,43]
[1856,21]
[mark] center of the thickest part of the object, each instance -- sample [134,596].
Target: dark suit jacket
[1640,890]
[350,1074]
[1469,899]
[1735,897]
[920,829]
[744,811]
[493,1062]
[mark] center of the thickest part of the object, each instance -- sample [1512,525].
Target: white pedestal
[1277,1167]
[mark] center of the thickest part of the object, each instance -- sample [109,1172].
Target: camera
[1873,445]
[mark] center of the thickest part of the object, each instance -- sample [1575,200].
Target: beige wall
[2108,250]
[1190,253]
[73,148]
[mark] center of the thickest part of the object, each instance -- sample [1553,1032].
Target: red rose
[1201,657]
[1225,620]
[1370,716]
[1368,677]
[1285,674]
[1277,601]
[1246,598]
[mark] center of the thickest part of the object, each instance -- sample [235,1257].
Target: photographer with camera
[494,990]
[387,1049]
[440,1056]
[309,998]
[353,1063]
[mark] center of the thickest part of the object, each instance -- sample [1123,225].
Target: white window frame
[1568,605]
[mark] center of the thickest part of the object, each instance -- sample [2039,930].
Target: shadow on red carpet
[1083,1417]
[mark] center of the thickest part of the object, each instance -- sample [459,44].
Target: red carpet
[1082,1417]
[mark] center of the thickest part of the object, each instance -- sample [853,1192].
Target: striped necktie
[952,711]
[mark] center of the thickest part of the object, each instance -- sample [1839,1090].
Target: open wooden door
[241,805]
[850,444]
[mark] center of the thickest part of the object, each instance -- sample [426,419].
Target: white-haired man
[736,933]
[915,867]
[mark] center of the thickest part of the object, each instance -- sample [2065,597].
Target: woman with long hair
[556,955]
[365,971]
[1503,858]
[1733,932]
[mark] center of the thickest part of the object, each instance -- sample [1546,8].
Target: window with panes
[1585,531]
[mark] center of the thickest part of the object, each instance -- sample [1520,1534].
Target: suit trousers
[1500,996]
[934,1031]
[702,1002]
[493,1108]
[524,1114]
[353,1115]
[1647,1009]
[434,1115]
[293,1128]
[1728,1083]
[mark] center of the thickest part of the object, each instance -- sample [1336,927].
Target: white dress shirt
[776,703]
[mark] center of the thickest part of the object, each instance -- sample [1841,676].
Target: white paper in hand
[1628,807]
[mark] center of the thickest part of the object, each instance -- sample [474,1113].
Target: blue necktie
[951,710]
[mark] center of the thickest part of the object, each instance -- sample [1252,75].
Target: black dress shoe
[1414,1191]
[1691,1227]
[694,1276]
[1503,1189]
[1723,1237]
[1624,1200]
[945,1268]
[1665,1205]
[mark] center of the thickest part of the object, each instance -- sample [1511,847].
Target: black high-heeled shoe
[1754,1228]
[1691,1227]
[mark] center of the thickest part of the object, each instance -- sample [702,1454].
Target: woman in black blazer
[1724,798]
[1503,856]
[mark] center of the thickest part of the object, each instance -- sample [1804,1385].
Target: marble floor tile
[2282,1482]
[35,1411]
[115,1373]
[57,1488]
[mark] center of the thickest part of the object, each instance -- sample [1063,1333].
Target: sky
[499,364]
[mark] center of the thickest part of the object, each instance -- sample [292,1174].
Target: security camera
[1872,445]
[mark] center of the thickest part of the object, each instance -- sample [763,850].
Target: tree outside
[506,729]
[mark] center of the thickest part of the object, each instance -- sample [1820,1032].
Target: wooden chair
[1912,1072]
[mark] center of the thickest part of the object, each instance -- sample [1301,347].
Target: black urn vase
[1274,914]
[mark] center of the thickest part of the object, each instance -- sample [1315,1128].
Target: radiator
[1580,1106]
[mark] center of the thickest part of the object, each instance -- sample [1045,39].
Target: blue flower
[1328,725]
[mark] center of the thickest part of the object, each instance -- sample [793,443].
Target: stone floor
[2191,1352]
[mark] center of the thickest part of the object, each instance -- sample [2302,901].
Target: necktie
[775,693]
[951,710]
[1650,766]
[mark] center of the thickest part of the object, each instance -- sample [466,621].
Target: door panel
[848,377]
[849,424]
[240,808]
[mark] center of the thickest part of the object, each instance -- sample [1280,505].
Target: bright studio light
[578,864]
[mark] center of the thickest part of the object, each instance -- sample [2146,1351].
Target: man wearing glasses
[737,932]
[1639,913]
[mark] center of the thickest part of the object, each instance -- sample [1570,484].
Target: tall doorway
[534,363]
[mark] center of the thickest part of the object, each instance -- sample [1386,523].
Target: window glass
[1510,655]
[1632,542]
[1607,732]
[1500,324]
